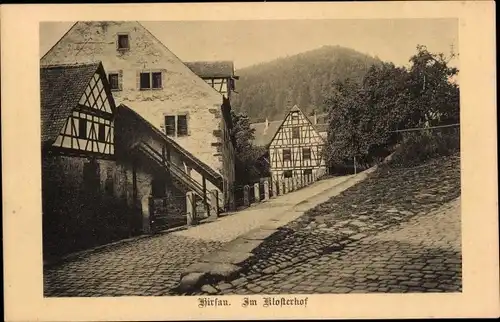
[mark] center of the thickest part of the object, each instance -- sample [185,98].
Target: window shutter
[138,79]
[116,42]
[187,125]
[120,80]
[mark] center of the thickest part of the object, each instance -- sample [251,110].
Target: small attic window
[123,42]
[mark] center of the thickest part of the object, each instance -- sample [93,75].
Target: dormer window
[123,42]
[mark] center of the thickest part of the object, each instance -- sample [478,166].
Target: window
[295,116]
[306,153]
[182,129]
[114,81]
[156,80]
[145,80]
[150,80]
[102,133]
[176,125]
[288,174]
[123,43]
[295,132]
[82,129]
[308,172]
[287,155]
[170,125]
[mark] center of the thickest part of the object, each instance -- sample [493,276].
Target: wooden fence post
[287,185]
[280,189]
[266,190]
[232,201]
[274,184]
[190,208]
[246,196]
[147,208]
[256,192]
[214,204]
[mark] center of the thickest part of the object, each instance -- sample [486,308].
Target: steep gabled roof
[182,87]
[61,87]
[264,136]
[207,69]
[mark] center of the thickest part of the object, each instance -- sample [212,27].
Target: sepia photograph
[322,163]
[216,161]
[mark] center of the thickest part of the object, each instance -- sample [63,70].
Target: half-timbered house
[218,74]
[80,197]
[294,145]
[108,173]
[144,74]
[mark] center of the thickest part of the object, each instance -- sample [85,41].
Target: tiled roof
[321,127]
[61,87]
[263,136]
[212,68]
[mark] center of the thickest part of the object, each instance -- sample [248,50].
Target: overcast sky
[250,42]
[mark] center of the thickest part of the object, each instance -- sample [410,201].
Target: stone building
[103,178]
[145,75]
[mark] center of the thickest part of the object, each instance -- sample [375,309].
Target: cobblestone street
[381,232]
[396,231]
[149,266]
[152,266]
[421,255]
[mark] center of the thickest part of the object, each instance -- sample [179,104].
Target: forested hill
[268,89]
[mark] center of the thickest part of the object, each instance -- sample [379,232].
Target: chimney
[315,118]
[267,123]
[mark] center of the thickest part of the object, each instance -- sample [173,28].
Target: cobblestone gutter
[386,198]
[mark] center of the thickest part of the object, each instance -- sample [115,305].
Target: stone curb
[227,263]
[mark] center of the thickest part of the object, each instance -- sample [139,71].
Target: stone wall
[76,216]
[183,92]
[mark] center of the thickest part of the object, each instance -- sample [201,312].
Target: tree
[433,97]
[248,167]
[363,115]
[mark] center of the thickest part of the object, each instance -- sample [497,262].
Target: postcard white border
[21,172]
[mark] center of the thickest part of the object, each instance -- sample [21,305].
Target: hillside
[267,89]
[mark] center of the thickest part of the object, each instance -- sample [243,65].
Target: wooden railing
[179,174]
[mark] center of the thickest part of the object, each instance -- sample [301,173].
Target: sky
[248,42]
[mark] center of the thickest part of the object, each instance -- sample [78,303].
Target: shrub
[418,147]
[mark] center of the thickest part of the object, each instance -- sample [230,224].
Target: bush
[418,147]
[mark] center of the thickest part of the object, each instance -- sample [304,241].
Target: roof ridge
[72,64]
[211,61]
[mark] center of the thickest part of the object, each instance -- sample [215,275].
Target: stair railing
[178,172]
